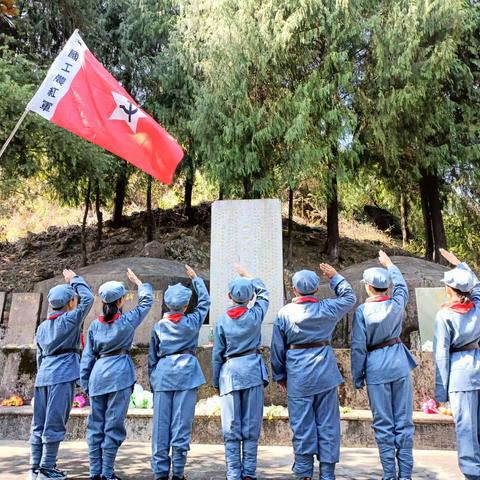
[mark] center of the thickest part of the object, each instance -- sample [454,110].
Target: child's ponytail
[109,311]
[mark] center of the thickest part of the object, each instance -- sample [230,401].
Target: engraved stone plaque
[429,302]
[248,232]
[23,319]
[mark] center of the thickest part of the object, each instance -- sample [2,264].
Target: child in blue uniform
[240,374]
[107,373]
[456,347]
[303,363]
[58,359]
[175,376]
[381,360]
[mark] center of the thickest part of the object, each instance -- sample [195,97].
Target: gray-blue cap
[377,277]
[111,291]
[459,279]
[177,296]
[60,295]
[306,281]
[241,290]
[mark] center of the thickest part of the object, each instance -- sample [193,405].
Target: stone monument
[248,232]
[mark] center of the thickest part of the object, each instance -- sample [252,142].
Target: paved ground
[206,462]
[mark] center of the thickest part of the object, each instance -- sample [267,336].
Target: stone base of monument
[18,369]
[432,432]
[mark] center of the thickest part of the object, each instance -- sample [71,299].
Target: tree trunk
[290,226]
[150,220]
[404,219]
[427,222]
[120,192]
[438,228]
[247,188]
[84,224]
[221,192]
[188,210]
[333,232]
[98,240]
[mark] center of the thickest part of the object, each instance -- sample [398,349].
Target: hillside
[42,255]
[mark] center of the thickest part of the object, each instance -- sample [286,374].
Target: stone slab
[248,232]
[143,333]
[23,319]
[429,302]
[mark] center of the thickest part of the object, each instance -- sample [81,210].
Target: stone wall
[19,367]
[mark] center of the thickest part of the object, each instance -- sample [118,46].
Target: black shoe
[160,478]
[51,473]
[179,478]
[113,477]
[96,477]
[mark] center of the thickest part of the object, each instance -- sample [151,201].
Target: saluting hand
[327,270]
[190,272]
[68,275]
[242,271]
[133,278]
[449,256]
[384,259]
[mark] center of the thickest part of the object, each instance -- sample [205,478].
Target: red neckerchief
[460,307]
[379,298]
[102,318]
[53,316]
[82,340]
[174,317]
[304,300]
[236,312]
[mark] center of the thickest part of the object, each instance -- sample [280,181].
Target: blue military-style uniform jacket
[169,371]
[457,371]
[239,335]
[62,331]
[113,373]
[376,321]
[313,370]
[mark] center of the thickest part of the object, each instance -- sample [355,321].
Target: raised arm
[87,361]
[145,300]
[218,355]
[279,352]
[85,303]
[359,349]
[203,304]
[400,289]
[262,301]
[345,301]
[441,351]
[452,258]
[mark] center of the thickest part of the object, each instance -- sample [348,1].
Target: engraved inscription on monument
[248,232]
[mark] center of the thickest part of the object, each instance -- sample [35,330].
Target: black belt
[388,343]
[466,348]
[181,352]
[62,351]
[113,353]
[299,346]
[243,354]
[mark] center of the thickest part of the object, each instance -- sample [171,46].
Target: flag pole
[14,131]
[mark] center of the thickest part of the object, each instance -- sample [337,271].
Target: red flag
[79,94]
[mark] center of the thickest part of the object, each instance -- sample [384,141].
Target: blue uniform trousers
[51,409]
[172,427]
[106,430]
[242,415]
[466,413]
[315,423]
[392,408]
